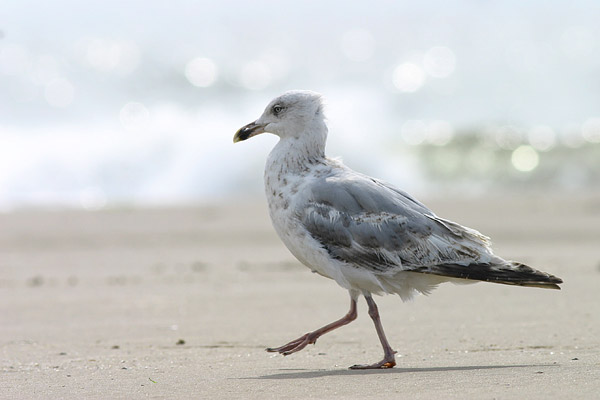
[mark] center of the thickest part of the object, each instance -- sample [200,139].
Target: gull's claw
[383,364]
[294,345]
[311,337]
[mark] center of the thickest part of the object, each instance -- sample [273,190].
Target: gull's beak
[246,132]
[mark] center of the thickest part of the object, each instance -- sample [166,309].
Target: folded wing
[369,224]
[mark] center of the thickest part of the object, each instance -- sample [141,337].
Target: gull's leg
[311,337]
[389,360]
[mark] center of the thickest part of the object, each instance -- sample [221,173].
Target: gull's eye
[277,109]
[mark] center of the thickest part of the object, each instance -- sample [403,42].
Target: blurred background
[136,103]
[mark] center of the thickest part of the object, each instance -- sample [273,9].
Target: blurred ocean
[136,103]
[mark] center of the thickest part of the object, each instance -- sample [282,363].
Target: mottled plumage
[367,235]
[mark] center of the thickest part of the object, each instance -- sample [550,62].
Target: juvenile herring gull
[367,235]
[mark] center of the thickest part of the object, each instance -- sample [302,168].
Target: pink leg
[389,360]
[311,337]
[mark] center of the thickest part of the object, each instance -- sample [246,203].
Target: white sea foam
[138,109]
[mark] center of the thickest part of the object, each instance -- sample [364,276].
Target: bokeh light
[591,130]
[541,137]
[201,72]
[524,158]
[408,77]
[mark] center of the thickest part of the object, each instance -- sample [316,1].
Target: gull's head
[289,115]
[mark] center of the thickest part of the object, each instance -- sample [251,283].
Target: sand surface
[180,303]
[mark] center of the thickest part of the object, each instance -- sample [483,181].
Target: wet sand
[180,303]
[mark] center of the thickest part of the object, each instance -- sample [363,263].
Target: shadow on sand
[307,374]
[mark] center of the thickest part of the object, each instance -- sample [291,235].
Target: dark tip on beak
[242,134]
[246,132]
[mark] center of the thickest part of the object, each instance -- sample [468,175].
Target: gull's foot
[383,364]
[294,345]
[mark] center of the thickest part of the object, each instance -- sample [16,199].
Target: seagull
[367,235]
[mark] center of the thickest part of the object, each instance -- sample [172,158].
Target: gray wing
[372,225]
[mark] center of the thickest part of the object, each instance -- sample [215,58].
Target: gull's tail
[504,272]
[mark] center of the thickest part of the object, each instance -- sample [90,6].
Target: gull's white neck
[295,154]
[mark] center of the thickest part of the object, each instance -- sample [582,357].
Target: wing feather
[369,224]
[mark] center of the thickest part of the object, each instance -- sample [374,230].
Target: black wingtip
[511,273]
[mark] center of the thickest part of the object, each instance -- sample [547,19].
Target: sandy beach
[181,303]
